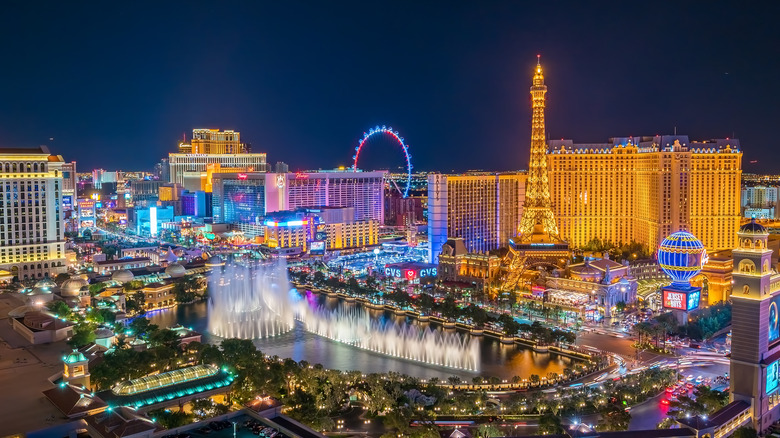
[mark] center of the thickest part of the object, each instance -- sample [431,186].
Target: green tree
[550,424]
[83,334]
[488,430]
[165,338]
[613,417]
[60,278]
[171,419]
[745,432]
[96,288]
[204,408]
[59,308]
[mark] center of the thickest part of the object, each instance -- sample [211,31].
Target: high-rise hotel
[32,242]
[482,208]
[212,151]
[644,189]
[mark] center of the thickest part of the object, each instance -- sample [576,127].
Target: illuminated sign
[693,300]
[674,300]
[300,175]
[321,235]
[410,273]
[317,247]
[295,223]
[428,272]
[392,272]
[774,329]
[772,376]
[242,176]
[153,221]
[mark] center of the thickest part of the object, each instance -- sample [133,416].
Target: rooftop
[719,418]
[167,386]
[73,400]
[121,422]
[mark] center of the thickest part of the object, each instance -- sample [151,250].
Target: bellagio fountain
[257,302]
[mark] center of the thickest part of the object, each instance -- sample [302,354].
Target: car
[699,379]
[689,378]
[665,402]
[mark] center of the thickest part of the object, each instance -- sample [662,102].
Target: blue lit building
[239,198]
[196,204]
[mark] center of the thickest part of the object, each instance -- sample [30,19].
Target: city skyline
[302,85]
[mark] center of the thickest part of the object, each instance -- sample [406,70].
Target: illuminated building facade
[483,209]
[214,141]
[755,341]
[644,189]
[197,164]
[32,242]
[353,234]
[364,191]
[759,202]
[603,283]
[457,264]
[239,197]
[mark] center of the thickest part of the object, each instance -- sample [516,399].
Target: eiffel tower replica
[537,242]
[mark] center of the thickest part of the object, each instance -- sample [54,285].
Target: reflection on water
[503,361]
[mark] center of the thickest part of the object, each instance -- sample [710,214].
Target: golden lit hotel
[32,242]
[644,189]
[214,141]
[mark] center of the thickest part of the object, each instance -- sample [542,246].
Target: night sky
[116,84]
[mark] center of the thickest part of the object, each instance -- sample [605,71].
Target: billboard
[410,271]
[772,376]
[774,329]
[675,300]
[693,300]
[317,247]
[681,300]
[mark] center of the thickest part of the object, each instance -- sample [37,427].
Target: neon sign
[242,176]
[674,300]
[301,175]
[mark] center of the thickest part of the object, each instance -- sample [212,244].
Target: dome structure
[46,283]
[122,276]
[74,356]
[175,270]
[682,256]
[39,291]
[72,286]
[752,227]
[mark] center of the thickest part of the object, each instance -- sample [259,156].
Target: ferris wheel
[389,133]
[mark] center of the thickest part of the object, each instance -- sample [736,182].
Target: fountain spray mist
[250,302]
[258,302]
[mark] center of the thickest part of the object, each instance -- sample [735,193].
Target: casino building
[755,347]
[645,188]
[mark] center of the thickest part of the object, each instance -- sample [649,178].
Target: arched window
[35,167]
[766,267]
[745,289]
[759,243]
[747,266]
